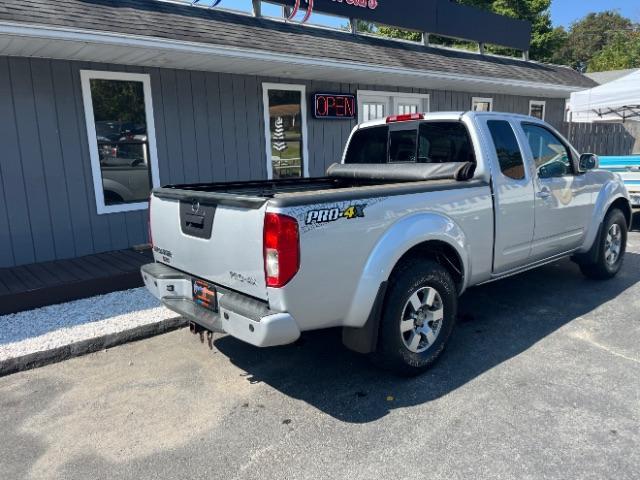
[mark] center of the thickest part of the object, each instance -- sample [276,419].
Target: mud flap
[365,339]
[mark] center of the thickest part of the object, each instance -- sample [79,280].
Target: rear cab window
[402,146]
[412,142]
[445,142]
[368,145]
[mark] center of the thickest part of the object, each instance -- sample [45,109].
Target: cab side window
[507,149]
[551,156]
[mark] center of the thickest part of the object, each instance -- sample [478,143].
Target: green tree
[393,32]
[621,52]
[118,101]
[544,38]
[588,37]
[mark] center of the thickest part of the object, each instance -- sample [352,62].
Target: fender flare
[610,192]
[116,187]
[401,237]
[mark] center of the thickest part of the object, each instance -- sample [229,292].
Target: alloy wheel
[421,320]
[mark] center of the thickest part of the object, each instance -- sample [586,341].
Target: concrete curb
[47,357]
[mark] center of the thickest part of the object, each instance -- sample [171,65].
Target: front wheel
[611,247]
[418,317]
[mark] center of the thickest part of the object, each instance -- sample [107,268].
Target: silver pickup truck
[421,208]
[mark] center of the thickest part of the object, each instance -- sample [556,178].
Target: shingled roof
[180,22]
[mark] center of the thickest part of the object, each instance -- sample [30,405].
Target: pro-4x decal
[326,215]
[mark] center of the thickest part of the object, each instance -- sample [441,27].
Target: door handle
[544,193]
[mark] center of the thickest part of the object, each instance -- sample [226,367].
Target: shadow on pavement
[498,321]
[635,224]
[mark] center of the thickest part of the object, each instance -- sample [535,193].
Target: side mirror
[589,161]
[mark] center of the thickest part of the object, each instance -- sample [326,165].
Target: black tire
[410,277]
[112,198]
[601,269]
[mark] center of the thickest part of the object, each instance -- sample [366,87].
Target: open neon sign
[334,106]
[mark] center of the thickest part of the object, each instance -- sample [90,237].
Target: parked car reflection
[124,161]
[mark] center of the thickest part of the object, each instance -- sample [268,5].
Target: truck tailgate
[219,243]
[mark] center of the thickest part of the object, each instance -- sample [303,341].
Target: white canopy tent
[612,102]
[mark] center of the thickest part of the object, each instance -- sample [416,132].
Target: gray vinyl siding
[209,127]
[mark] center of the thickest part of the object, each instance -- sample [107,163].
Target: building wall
[209,127]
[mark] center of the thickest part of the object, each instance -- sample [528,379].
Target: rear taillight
[281,249]
[149,222]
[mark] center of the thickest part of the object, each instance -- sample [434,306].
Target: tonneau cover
[403,172]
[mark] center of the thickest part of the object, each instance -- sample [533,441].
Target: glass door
[285,131]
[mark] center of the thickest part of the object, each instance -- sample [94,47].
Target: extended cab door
[513,196]
[563,199]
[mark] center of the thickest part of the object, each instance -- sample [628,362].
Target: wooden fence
[602,138]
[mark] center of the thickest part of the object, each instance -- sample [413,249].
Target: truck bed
[341,185]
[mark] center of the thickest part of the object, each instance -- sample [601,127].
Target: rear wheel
[418,317]
[611,248]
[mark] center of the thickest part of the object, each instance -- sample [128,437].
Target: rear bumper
[238,315]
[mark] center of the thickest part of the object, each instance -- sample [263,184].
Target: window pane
[537,110]
[479,106]
[123,144]
[406,109]
[368,146]
[372,111]
[551,157]
[285,122]
[507,149]
[443,142]
[402,146]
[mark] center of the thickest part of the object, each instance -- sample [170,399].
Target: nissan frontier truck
[420,208]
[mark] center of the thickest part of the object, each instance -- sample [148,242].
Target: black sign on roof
[441,17]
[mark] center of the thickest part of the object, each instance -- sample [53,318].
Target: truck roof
[444,116]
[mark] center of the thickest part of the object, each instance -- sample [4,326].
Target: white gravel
[67,323]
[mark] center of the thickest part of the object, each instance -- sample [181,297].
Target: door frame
[266,86]
[96,171]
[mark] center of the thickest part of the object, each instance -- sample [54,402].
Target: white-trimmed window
[122,143]
[285,124]
[480,104]
[374,105]
[537,109]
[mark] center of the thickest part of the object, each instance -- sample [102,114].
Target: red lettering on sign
[334,105]
[321,106]
[371,4]
[340,106]
[331,103]
[350,107]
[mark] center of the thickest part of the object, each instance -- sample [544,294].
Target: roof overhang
[43,41]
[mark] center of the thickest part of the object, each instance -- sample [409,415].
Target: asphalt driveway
[541,380]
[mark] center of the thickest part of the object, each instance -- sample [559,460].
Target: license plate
[205,295]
